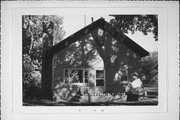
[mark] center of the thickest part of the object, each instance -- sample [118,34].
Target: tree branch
[32,40]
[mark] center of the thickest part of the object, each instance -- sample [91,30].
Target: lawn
[142,102]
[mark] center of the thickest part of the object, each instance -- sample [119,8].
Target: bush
[31,79]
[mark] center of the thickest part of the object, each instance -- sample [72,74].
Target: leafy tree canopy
[150,67]
[132,23]
[39,32]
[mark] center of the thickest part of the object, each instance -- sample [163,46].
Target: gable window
[75,75]
[99,77]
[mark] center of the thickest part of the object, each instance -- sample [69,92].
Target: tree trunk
[32,40]
[109,79]
[111,68]
[110,71]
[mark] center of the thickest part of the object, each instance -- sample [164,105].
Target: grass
[144,102]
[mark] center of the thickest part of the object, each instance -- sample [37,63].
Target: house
[98,56]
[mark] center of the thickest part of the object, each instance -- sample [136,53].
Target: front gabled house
[97,56]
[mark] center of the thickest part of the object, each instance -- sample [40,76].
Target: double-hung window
[99,77]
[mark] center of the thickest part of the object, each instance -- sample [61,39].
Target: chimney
[92,19]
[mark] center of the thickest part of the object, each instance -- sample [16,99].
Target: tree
[144,24]
[109,49]
[39,33]
[150,67]
[132,23]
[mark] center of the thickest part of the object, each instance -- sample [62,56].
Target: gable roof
[100,23]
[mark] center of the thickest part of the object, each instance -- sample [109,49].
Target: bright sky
[74,23]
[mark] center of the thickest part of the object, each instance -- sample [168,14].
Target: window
[75,75]
[99,77]
[121,76]
[86,76]
[66,75]
[124,76]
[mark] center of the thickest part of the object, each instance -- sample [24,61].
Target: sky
[73,23]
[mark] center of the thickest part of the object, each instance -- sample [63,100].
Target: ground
[142,101]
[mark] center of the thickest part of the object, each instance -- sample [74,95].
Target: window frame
[83,71]
[126,75]
[96,79]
